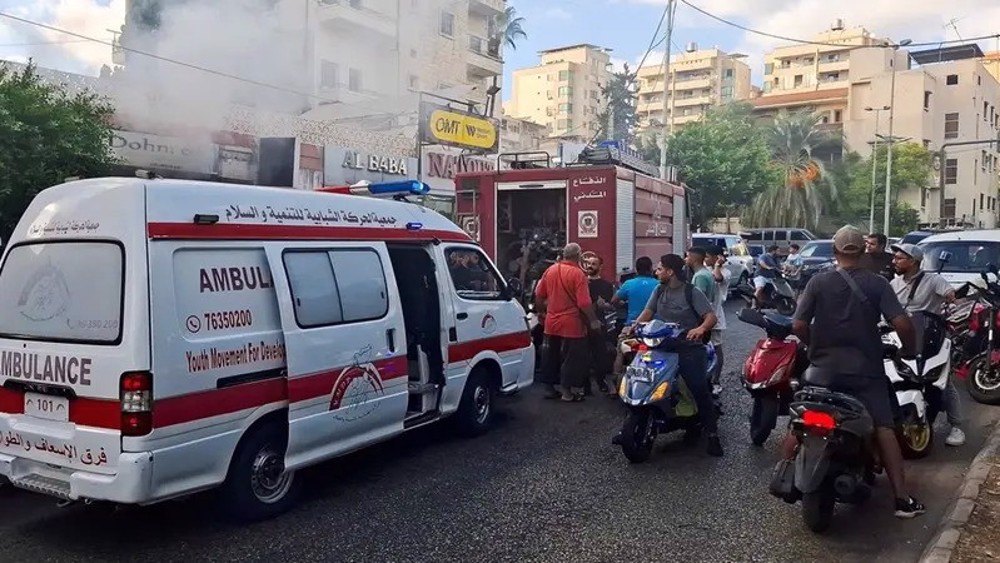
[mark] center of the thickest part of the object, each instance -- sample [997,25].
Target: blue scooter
[657,397]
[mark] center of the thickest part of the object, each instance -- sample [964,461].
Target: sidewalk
[970,530]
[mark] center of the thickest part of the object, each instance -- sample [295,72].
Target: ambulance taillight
[137,403]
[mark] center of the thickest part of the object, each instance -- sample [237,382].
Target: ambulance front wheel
[258,487]
[475,411]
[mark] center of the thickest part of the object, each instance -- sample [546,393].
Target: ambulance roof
[244,211]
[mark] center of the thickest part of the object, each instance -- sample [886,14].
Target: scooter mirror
[751,316]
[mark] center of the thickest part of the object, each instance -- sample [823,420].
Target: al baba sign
[441,125]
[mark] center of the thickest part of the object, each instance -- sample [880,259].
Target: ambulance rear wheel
[258,487]
[475,411]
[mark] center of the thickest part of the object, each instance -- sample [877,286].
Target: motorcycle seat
[823,385]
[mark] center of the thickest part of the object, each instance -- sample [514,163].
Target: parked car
[914,237]
[738,258]
[780,237]
[817,256]
[971,252]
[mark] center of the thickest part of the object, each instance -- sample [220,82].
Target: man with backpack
[677,301]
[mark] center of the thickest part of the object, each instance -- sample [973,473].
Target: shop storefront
[440,165]
[220,157]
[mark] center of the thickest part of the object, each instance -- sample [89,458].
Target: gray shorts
[717,337]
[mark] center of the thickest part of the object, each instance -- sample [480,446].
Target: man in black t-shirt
[837,318]
[876,260]
[601,294]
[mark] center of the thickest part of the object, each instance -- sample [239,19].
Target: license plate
[46,406]
[640,373]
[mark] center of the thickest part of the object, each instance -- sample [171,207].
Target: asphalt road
[545,485]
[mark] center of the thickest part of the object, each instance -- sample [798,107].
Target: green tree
[911,172]
[723,158]
[619,118]
[511,27]
[46,136]
[799,198]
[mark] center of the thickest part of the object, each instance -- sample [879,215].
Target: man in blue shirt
[635,294]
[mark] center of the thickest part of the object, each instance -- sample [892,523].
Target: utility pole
[671,9]
[888,156]
[871,208]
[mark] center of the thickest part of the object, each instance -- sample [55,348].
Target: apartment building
[992,63]
[955,100]
[699,79]
[563,92]
[813,76]
[521,135]
[360,56]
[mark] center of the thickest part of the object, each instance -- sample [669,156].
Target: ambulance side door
[483,321]
[345,344]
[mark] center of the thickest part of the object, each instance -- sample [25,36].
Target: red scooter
[769,370]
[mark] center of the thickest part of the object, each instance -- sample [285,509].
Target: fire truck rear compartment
[529,215]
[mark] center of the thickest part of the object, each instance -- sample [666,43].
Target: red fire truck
[616,208]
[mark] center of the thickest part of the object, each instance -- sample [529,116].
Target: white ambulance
[162,337]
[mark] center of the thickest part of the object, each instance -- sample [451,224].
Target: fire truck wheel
[258,487]
[475,412]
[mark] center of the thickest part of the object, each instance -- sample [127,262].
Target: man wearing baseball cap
[921,291]
[837,318]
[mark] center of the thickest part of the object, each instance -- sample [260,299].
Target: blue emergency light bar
[411,187]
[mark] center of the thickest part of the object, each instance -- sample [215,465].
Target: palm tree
[794,138]
[510,27]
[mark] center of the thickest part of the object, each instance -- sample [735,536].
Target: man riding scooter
[767,270]
[674,301]
[837,318]
[927,291]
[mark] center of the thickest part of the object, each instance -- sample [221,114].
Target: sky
[624,26]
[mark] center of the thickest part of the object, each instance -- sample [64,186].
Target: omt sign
[444,126]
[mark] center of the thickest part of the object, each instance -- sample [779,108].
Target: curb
[942,545]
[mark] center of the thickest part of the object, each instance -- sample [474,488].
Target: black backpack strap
[913,288]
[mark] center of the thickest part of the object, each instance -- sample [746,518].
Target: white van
[971,252]
[161,337]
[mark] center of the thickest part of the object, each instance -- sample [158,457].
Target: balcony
[488,8]
[653,105]
[484,57]
[347,16]
[700,83]
[693,101]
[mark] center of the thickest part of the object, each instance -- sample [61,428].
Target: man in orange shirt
[563,297]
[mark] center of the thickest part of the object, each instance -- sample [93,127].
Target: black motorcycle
[834,460]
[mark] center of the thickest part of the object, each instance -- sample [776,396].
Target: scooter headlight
[652,342]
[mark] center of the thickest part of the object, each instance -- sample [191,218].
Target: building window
[982,201]
[923,198]
[927,144]
[983,163]
[565,91]
[727,92]
[565,108]
[986,107]
[951,126]
[728,73]
[949,208]
[927,100]
[354,80]
[414,82]
[447,24]
[798,80]
[833,57]
[952,80]
[837,116]
[951,171]
[769,68]
[328,74]
[563,75]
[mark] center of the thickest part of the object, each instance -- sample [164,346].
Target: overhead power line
[823,43]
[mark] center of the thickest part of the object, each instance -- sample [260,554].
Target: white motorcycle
[919,383]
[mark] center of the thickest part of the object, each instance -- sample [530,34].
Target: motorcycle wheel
[638,436]
[763,418]
[984,381]
[785,306]
[916,438]
[817,509]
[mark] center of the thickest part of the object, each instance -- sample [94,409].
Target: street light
[871,208]
[888,161]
